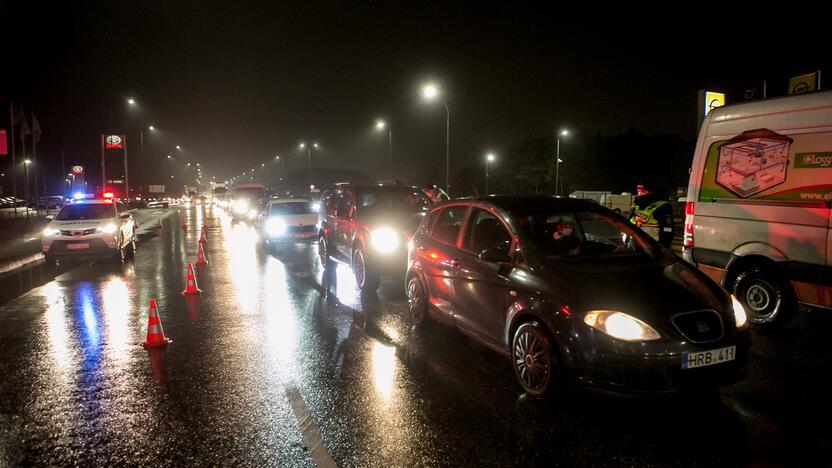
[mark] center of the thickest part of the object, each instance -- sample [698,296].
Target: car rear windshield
[396,199]
[571,235]
[82,211]
[292,208]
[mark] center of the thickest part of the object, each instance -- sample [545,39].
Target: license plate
[85,245]
[708,358]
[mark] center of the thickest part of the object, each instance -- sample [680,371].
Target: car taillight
[688,240]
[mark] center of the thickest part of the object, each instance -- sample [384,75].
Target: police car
[90,227]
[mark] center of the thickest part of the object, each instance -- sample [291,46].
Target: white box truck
[758,203]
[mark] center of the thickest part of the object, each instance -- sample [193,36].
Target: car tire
[417,305]
[366,278]
[534,360]
[323,252]
[768,298]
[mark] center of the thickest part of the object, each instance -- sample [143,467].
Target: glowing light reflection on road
[281,327]
[56,324]
[384,369]
[116,305]
[241,244]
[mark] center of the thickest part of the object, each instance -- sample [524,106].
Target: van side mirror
[495,255]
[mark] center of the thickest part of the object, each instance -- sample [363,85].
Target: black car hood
[652,290]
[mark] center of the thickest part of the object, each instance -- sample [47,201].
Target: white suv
[90,228]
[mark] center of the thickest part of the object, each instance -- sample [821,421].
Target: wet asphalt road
[276,363]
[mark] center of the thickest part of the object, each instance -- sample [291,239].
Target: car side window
[344,205]
[486,231]
[449,222]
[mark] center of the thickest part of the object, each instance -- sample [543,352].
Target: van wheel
[767,297]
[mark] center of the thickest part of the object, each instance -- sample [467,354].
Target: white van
[758,204]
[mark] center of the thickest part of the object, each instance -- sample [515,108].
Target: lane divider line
[309,430]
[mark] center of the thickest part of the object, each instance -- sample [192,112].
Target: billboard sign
[77,170]
[114,142]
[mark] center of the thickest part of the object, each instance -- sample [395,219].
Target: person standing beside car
[653,213]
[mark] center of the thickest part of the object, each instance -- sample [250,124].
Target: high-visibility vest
[644,218]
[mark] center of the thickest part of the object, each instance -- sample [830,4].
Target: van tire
[768,298]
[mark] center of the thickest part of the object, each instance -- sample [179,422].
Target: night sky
[236,83]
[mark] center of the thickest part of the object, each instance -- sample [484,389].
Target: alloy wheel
[532,361]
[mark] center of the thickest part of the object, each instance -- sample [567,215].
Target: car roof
[512,203]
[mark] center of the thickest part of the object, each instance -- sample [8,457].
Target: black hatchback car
[574,295]
[369,228]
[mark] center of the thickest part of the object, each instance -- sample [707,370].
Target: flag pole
[25,166]
[14,161]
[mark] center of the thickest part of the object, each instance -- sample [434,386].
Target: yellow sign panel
[803,83]
[713,100]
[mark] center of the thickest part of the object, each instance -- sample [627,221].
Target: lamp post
[431,92]
[309,162]
[26,164]
[562,133]
[380,126]
[488,158]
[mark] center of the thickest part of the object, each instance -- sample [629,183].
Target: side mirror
[50,217]
[495,255]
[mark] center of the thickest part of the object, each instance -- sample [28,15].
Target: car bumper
[80,247]
[602,365]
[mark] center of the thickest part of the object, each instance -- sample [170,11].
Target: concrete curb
[20,263]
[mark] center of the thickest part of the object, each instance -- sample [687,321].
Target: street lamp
[488,158]
[131,101]
[562,133]
[308,149]
[431,92]
[380,126]
[26,164]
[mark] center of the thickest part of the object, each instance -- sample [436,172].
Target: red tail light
[108,194]
[689,209]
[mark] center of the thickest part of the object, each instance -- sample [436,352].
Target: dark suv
[369,227]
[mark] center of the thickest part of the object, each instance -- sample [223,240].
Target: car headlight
[240,206]
[316,207]
[108,229]
[275,227]
[252,213]
[48,232]
[740,317]
[620,325]
[385,240]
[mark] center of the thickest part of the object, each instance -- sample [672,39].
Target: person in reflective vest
[653,214]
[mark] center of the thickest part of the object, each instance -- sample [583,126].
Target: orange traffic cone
[155,334]
[191,287]
[200,257]
[203,239]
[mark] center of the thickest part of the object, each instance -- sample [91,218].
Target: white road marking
[311,437]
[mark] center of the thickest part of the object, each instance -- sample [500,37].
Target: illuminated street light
[309,160]
[178,147]
[131,101]
[151,127]
[380,126]
[431,92]
[488,159]
[562,133]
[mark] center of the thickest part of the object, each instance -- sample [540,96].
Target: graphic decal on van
[753,161]
[764,165]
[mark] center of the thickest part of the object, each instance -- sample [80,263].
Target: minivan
[757,216]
